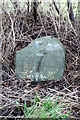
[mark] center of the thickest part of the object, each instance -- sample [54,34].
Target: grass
[45,108]
[45,5]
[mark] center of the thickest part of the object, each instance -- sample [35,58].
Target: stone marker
[41,60]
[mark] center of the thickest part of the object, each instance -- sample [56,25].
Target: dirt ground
[17,33]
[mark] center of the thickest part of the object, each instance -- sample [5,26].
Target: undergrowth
[45,108]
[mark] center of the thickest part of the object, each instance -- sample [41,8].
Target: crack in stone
[39,63]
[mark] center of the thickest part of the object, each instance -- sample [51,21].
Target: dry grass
[16,32]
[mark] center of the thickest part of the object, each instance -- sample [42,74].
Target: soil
[21,90]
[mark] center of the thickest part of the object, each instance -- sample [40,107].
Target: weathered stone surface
[43,59]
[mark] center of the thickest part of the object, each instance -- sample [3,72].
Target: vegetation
[45,108]
[17,30]
[62,5]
